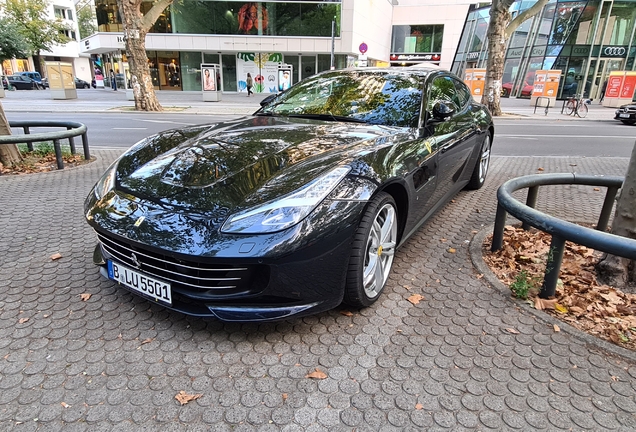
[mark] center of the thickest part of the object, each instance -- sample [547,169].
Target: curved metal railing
[73,129]
[560,230]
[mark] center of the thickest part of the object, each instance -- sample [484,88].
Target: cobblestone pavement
[115,362]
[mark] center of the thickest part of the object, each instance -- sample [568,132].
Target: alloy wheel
[380,250]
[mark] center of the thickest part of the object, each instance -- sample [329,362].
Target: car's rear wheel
[372,252]
[478,177]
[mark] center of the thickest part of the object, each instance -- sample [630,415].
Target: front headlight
[286,211]
[106,183]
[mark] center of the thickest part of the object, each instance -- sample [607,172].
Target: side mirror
[443,110]
[268,99]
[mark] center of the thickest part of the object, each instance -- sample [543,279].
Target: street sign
[363,48]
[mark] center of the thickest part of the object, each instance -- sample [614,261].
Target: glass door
[605,67]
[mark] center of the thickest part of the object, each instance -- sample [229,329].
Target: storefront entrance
[605,66]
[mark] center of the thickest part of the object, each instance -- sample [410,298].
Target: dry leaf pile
[34,164]
[580,300]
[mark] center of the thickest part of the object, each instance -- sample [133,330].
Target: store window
[229,72]
[621,23]
[191,70]
[410,39]
[568,15]
[256,18]
[307,66]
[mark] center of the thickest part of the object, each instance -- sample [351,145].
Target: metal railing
[560,230]
[536,104]
[73,129]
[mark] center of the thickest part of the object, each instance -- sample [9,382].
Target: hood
[239,164]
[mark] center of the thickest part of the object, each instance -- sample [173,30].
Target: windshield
[374,97]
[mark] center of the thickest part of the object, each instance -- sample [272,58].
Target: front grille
[197,280]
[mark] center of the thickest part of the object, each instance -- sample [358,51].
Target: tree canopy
[32,22]
[12,44]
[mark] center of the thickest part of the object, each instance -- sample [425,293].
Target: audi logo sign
[617,51]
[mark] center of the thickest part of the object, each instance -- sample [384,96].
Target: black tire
[365,256]
[86,86]
[478,177]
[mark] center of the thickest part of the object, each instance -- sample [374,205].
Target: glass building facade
[586,40]
[180,70]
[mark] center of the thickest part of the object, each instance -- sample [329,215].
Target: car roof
[419,72]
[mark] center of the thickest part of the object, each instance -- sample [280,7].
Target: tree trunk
[9,153]
[613,270]
[499,19]
[135,35]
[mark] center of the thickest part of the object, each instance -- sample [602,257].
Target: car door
[454,137]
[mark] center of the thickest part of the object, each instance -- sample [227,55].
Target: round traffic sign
[363,48]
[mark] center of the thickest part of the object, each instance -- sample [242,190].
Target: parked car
[22,82]
[626,114]
[526,91]
[296,208]
[35,76]
[81,84]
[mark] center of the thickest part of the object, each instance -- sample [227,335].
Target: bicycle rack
[536,104]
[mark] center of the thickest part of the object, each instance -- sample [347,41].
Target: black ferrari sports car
[296,208]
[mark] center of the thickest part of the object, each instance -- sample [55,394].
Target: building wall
[370,23]
[452,14]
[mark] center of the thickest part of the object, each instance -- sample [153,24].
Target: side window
[442,88]
[463,94]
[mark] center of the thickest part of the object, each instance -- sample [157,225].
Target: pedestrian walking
[603,88]
[113,80]
[249,82]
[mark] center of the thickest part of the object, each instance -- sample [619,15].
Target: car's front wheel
[372,252]
[478,178]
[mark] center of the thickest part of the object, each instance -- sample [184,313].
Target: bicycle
[577,105]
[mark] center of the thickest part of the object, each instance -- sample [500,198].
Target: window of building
[274,18]
[411,39]
[59,13]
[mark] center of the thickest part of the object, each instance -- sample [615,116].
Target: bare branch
[523,16]
[154,13]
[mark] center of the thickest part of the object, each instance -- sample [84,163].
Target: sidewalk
[79,353]
[104,100]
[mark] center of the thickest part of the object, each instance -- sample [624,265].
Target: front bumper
[296,272]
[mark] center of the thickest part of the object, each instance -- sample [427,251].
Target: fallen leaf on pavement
[513,331]
[419,406]
[539,169]
[145,341]
[22,320]
[318,374]
[85,296]
[64,404]
[346,313]
[543,304]
[452,250]
[56,256]
[184,397]
[415,298]
[284,396]
[557,328]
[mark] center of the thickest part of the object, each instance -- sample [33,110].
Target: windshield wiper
[328,117]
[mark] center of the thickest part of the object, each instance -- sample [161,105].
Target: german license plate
[623,115]
[147,286]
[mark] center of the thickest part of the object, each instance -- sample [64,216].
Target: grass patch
[43,149]
[523,286]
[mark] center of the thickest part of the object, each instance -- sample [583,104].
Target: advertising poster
[284,79]
[629,85]
[263,69]
[209,79]
[614,84]
[475,79]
